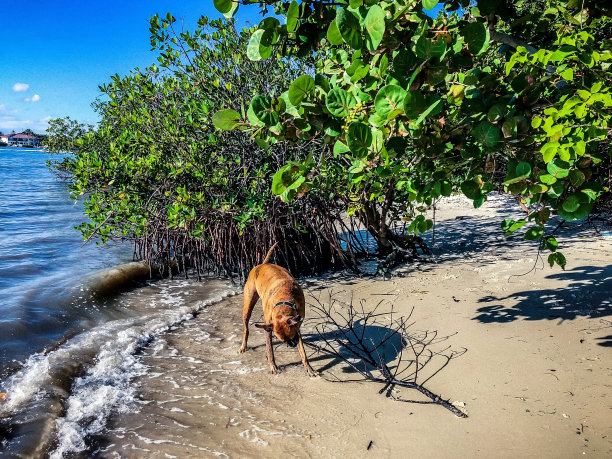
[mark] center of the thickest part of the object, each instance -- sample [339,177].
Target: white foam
[106,387]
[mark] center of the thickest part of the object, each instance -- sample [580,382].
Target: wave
[60,398]
[117,278]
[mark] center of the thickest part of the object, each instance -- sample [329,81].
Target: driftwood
[378,347]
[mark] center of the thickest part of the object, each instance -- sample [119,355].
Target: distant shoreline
[22,148]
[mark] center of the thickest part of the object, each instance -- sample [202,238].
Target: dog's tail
[269,253]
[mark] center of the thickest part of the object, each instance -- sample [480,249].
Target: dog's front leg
[271,362]
[311,372]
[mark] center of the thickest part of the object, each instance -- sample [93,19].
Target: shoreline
[531,366]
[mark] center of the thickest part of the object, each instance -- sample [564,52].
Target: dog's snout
[292,342]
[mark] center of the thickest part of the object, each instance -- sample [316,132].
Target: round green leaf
[497,112]
[333,34]
[549,150]
[536,122]
[487,133]
[359,139]
[547,179]
[477,37]
[403,63]
[551,243]
[349,28]
[339,102]
[523,169]
[232,10]
[255,50]
[414,104]
[557,258]
[281,180]
[438,47]
[263,110]
[340,148]
[252,118]
[534,233]
[471,189]
[226,120]
[555,190]
[423,47]
[293,14]
[269,23]
[333,128]
[374,27]
[223,6]
[571,204]
[429,4]
[577,177]
[389,101]
[558,168]
[300,88]
[437,74]
[581,212]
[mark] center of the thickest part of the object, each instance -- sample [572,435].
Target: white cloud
[34,98]
[9,122]
[21,87]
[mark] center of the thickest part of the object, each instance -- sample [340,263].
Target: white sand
[533,369]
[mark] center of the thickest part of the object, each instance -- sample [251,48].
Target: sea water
[69,356]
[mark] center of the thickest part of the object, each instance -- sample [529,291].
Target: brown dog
[284,308]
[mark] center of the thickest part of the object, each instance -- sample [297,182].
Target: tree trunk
[377,226]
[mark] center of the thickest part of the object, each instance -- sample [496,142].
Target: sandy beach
[531,362]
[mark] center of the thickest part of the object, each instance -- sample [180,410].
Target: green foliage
[169,167]
[349,27]
[412,107]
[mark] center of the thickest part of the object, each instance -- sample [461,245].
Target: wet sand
[532,363]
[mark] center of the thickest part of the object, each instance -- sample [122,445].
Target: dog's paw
[242,350]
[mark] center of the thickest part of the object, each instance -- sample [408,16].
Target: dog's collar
[285,303]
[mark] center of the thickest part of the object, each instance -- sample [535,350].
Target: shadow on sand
[390,341]
[587,294]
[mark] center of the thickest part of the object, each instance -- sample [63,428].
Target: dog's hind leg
[300,347]
[250,298]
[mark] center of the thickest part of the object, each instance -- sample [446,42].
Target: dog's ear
[266,327]
[296,320]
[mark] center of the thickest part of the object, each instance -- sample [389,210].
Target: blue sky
[54,54]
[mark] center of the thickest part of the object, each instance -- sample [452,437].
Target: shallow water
[41,259]
[200,398]
[69,353]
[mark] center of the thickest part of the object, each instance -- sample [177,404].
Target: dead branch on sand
[378,347]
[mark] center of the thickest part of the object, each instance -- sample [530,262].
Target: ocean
[76,321]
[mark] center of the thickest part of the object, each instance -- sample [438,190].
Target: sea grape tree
[491,95]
